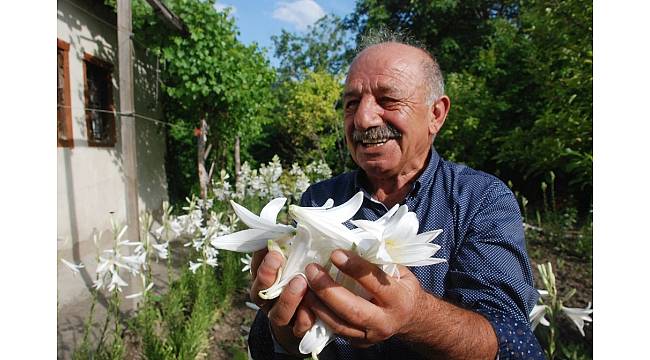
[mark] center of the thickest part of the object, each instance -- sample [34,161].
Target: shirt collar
[424,180]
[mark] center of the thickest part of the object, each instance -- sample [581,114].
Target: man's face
[385,87]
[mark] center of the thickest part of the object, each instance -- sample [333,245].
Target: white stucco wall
[90,181]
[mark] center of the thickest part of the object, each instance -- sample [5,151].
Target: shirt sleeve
[490,273]
[516,340]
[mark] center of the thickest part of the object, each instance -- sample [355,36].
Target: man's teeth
[373,143]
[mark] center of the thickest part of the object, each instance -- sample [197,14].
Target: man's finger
[303,321]
[350,307]
[266,275]
[258,256]
[367,274]
[338,325]
[284,308]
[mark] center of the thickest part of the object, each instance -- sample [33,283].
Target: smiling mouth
[373,143]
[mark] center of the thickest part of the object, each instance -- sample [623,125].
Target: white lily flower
[74,267]
[112,261]
[300,255]
[141,293]
[212,261]
[328,222]
[246,260]
[261,229]
[116,282]
[316,338]
[161,250]
[536,316]
[395,241]
[579,316]
[169,231]
[194,266]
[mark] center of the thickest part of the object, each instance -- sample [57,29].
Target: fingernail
[272,261]
[297,285]
[339,257]
[312,271]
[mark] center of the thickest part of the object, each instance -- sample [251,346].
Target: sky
[258,20]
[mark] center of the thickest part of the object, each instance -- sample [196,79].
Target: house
[90,177]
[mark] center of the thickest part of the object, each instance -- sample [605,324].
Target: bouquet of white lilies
[387,242]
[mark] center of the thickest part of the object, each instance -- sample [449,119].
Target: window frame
[67,104]
[108,67]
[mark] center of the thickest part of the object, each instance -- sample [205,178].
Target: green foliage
[307,123]
[311,124]
[176,325]
[324,48]
[559,227]
[209,74]
[519,75]
[181,160]
[454,29]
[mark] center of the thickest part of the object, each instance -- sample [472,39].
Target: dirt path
[228,338]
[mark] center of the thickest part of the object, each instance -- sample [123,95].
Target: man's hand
[289,320]
[390,311]
[401,308]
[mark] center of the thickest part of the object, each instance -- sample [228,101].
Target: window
[100,120]
[64,112]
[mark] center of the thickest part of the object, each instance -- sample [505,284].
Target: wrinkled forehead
[385,67]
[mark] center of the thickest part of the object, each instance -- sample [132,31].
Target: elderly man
[475,305]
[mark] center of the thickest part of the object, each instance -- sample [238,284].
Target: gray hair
[434,80]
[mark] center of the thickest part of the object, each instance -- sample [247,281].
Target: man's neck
[394,189]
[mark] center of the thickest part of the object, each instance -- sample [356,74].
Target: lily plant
[551,304]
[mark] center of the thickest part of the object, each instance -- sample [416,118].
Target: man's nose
[368,114]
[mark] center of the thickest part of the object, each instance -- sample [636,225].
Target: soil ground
[571,272]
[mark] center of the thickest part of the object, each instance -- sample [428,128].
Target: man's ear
[439,110]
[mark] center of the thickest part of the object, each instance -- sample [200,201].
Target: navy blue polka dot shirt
[487,268]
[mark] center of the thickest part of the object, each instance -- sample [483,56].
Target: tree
[211,81]
[519,74]
[454,29]
[311,120]
[324,48]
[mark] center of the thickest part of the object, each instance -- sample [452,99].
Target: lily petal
[248,240]
[412,253]
[372,227]
[401,228]
[251,220]
[376,228]
[427,237]
[328,204]
[316,339]
[537,316]
[271,210]
[579,316]
[338,234]
[74,267]
[426,262]
[296,262]
[338,214]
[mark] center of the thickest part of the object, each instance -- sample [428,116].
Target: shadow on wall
[150,137]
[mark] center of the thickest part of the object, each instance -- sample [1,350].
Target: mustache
[376,133]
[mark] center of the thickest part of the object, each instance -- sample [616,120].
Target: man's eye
[351,105]
[386,101]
